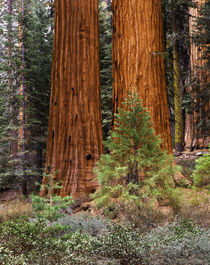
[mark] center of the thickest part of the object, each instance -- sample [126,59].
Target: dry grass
[195,206]
[14,209]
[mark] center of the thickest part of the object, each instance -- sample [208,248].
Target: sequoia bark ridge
[74,141]
[138,60]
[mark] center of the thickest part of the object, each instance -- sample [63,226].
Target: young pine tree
[201,174]
[136,171]
[50,208]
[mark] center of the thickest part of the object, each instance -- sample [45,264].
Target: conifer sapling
[50,208]
[136,171]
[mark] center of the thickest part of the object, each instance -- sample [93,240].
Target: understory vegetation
[138,215]
[29,240]
[136,171]
[149,208]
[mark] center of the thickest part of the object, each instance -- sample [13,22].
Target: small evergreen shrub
[201,174]
[136,171]
[50,208]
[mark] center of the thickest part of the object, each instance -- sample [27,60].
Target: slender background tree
[199,32]
[105,30]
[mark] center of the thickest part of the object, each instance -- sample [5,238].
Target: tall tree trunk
[13,132]
[74,141]
[179,143]
[194,136]
[138,60]
[22,111]
[179,125]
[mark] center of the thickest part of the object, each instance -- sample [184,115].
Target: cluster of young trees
[136,39]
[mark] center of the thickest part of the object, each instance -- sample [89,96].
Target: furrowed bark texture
[189,119]
[179,125]
[74,141]
[195,137]
[179,143]
[137,62]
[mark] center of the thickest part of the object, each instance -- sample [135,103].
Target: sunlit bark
[138,60]
[74,141]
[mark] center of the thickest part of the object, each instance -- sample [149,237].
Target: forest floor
[186,159]
[194,205]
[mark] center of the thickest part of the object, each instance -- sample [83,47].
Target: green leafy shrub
[121,243]
[30,242]
[136,171]
[81,248]
[177,244]
[186,226]
[201,174]
[26,241]
[35,240]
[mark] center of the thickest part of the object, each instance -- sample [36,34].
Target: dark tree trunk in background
[178,93]
[13,131]
[22,110]
[195,137]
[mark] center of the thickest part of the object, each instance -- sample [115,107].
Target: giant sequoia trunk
[74,141]
[138,60]
[195,136]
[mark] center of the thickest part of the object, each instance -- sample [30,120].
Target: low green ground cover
[31,241]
